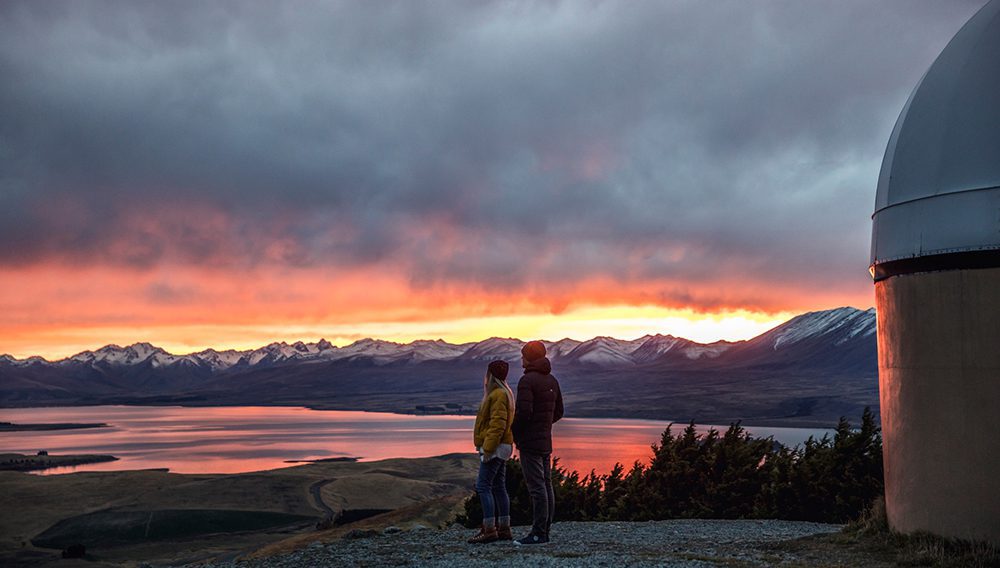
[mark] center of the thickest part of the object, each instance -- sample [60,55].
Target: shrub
[726,477]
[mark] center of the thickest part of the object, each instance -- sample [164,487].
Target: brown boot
[486,534]
[503,533]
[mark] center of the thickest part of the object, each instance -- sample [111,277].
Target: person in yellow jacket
[495,443]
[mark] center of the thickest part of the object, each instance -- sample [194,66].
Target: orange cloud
[57,310]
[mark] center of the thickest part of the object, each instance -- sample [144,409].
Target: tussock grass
[872,532]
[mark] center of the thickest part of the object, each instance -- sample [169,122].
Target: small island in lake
[24,462]
[11,427]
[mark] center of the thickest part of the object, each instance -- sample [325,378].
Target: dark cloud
[502,144]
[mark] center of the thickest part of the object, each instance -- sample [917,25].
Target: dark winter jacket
[539,404]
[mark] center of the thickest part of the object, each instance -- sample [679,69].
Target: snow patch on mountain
[653,347]
[846,322]
[710,351]
[424,350]
[27,362]
[864,326]
[377,349]
[216,359]
[603,351]
[561,348]
[505,348]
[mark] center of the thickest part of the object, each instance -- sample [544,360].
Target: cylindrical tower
[936,264]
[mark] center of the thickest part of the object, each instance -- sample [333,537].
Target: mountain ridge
[597,350]
[808,371]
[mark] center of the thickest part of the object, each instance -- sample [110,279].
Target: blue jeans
[491,485]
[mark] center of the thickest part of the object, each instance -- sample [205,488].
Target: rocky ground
[693,543]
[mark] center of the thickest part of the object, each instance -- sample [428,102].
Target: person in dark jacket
[539,405]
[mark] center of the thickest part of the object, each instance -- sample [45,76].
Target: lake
[235,439]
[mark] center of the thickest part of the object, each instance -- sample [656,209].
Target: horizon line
[470,343]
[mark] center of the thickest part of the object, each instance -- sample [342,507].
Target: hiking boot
[486,534]
[532,538]
[503,533]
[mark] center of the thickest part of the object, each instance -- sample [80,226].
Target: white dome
[939,188]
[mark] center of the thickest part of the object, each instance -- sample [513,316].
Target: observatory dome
[938,199]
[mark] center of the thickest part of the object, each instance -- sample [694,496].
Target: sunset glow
[487,178]
[624,322]
[56,311]
[275,275]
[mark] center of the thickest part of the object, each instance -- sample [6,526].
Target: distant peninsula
[24,462]
[346,459]
[11,427]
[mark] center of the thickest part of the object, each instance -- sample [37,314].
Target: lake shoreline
[783,422]
[233,439]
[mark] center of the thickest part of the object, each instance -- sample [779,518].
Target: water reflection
[252,438]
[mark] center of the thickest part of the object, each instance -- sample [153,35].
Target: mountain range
[829,355]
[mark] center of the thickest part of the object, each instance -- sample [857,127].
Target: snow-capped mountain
[842,338]
[372,348]
[847,323]
[825,330]
[560,348]
[33,360]
[818,366]
[603,351]
[656,347]
[494,348]
[429,350]
[130,355]
[218,359]
[703,351]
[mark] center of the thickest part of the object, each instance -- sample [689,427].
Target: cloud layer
[685,153]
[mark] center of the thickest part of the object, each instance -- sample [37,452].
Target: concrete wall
[939,383]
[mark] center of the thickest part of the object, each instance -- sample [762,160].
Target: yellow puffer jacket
[493,422]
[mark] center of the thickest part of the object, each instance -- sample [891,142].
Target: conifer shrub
[729,476]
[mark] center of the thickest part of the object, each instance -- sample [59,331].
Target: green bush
[731,476]
[568,489]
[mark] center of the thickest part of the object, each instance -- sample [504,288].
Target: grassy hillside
[142,514]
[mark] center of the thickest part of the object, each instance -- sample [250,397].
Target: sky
[226,174]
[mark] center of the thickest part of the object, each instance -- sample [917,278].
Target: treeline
[727,476]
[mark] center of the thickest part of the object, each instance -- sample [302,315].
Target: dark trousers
[538,477]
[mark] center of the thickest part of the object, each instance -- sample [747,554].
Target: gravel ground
[690,543]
